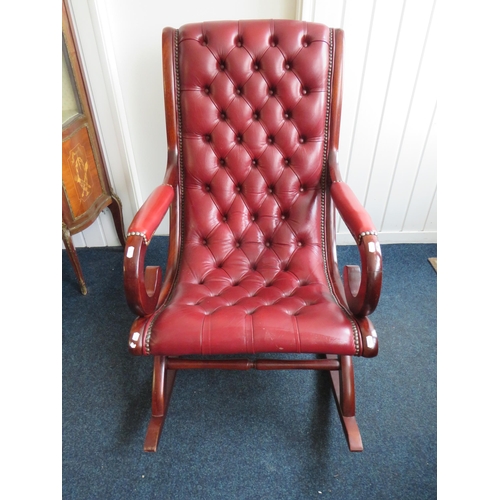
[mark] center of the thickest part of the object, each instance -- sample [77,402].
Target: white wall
[388,138]
[388,135]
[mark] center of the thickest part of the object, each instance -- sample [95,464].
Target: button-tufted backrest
[253,109]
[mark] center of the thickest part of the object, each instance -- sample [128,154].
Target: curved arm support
[143,285]
[362,286]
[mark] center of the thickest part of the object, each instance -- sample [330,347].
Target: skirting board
[394,238]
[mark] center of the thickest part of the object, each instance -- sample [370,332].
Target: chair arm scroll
[361,286]
[142,285]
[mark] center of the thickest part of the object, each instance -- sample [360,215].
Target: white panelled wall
[388,134]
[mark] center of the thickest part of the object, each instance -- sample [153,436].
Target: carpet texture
[247,435]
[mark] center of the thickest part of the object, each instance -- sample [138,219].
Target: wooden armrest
[143,285]
[361,286]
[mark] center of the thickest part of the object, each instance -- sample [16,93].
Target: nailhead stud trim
[142,235]
[366,233]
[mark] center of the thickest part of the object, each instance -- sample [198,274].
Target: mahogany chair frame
[359,289]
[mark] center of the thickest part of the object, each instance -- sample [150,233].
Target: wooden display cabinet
[86,189]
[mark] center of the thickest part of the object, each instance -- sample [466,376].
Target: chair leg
[163,382]
[345,397]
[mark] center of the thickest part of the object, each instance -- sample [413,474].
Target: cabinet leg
[116,212]
[73,257]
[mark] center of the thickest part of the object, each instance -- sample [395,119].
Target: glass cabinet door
[70,102]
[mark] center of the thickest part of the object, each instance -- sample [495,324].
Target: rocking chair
[253,187]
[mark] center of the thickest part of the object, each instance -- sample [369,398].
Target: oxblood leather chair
[252,183]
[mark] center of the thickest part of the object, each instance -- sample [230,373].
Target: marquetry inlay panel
[79,171]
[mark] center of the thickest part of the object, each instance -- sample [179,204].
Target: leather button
[270,139]
[302,140]
[254,163]
[238,188]
[305,91]
[222,162]
[299,243]
[288,66]
[222,66]
[253,218]
[272,91]
[238,90]
[302,189]
[256,66]
[268,244]
[208,138]
[223,116]
[256,115]
[207,90]
[205,243]
[239,138]
[224,218]
[287,115]
[287,161]
[270,189]
[207,188]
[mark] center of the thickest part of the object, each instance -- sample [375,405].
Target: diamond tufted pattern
[253,100]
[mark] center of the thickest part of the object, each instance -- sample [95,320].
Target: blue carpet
[248,435]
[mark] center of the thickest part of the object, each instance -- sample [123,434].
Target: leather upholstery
[155,207]
[254,100]
[353,214]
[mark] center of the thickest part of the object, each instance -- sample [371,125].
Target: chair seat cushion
[218,316]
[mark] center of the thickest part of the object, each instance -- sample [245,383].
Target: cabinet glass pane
[70,104]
